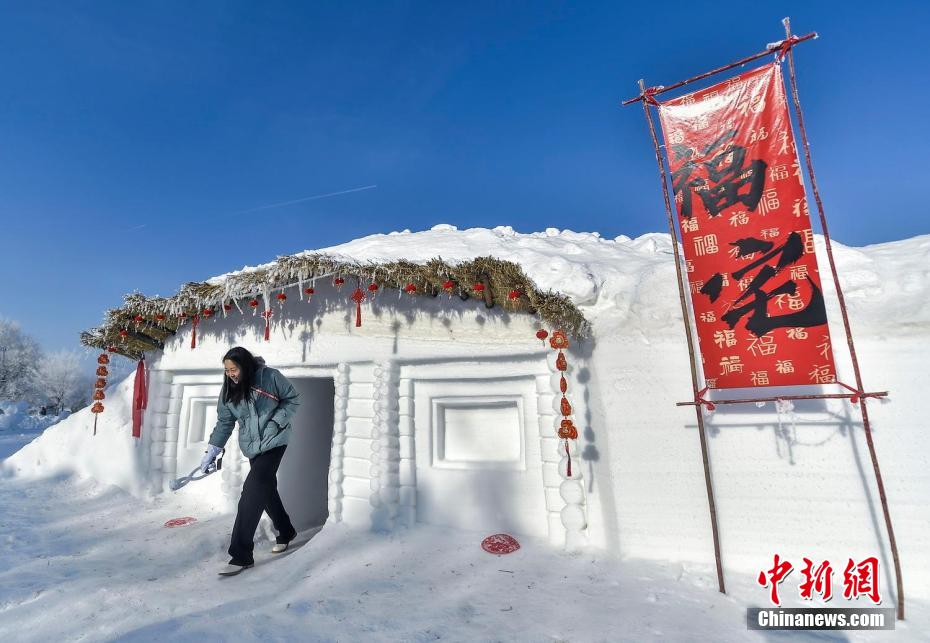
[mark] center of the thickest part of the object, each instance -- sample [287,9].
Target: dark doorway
[303,479]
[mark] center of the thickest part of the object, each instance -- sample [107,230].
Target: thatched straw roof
[160,315]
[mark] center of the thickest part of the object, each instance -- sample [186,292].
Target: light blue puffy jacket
[255,414]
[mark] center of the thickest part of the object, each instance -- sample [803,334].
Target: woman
[263,402]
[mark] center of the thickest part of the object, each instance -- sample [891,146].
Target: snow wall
[798,482]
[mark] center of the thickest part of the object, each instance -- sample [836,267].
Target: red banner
[746,231]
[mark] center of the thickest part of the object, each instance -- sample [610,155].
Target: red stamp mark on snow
[180,522]
[500,544]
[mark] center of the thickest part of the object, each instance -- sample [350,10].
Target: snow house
[425,393]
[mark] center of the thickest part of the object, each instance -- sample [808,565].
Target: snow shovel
[213,467]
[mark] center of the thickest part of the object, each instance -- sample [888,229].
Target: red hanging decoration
[227,307]
[207,312]
[568,455]
[358,296]
[102,371]
[281,297]
[567,430]
[160,317]
[140,399]
[138,319]
[372,288]
[267,315]
[513,296]
[448,285]
[410,288]
[309,293]
[559,340]
[478,288]
[196,322]
[124,333]
[253,304]
[337,282]
[563,385]
[560,362]
[99,394]
[103,359]
[100,383]
[565,406]
[541,335]
[96,408]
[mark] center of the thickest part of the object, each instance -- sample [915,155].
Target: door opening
[303,479]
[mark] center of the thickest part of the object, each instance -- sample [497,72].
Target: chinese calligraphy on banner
[746,232]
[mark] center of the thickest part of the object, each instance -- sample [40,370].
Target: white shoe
[278,548]
[232,570]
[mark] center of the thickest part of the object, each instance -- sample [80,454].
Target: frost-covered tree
[58,379]
[19,355]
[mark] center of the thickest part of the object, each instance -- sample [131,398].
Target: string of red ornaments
[567,430]
[99,384]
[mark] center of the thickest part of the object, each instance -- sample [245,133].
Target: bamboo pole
[708,483]
[849,338]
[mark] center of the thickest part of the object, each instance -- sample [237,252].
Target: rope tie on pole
[858,395]
[700,401]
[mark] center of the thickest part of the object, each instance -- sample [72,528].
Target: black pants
[260,493]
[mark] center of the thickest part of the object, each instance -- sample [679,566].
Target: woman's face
[232,370]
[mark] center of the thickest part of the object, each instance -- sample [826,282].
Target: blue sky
[133,135]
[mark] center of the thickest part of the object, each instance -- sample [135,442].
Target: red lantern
[281,297]
[513,296]
[410,289]
[337,282]
[207,312]
[138,319]
[309,293]
[541,335]
[253,303]
[372,288]
[96,408]
[102,371]
[448,285]
[103,359]
[112,349]
[99,395]
[160,317]
[558,340]
[478,288]
[124,333]
[227,307]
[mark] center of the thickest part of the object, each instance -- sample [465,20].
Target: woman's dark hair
[236,392]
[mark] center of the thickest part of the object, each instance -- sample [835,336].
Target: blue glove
[212,452]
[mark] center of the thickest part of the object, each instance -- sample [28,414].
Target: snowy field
[81,561]
[84,554]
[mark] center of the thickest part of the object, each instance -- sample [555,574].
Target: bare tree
[18,357]
[58,379]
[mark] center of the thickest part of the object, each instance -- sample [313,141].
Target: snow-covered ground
[83,559]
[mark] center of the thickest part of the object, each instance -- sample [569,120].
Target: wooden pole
[849,338]
[684,315]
